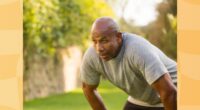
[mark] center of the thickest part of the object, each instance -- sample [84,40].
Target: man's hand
[93,96]
[167,90]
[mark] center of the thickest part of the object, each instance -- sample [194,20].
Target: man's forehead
[102,34]
[98,36]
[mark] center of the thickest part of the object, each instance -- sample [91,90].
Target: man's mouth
[103,56]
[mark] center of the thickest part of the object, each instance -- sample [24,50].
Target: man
[131,63]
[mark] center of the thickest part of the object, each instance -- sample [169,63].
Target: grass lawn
[114,99]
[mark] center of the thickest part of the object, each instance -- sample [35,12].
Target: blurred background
[56,34]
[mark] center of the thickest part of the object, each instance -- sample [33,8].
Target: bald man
[131,63]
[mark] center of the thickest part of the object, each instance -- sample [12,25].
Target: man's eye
[94,42]
[104,41]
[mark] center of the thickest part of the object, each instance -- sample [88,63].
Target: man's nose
[99,47]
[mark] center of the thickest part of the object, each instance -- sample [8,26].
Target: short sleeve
[87,70]
[148,62]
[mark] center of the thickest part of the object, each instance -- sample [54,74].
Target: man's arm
[168,94]
[93,97]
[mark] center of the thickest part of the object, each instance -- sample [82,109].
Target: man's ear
[119,36]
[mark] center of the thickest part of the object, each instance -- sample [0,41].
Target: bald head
[106,38]
[104,25]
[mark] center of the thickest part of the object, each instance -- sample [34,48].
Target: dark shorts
[130,106]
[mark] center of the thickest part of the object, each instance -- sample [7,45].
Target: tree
[53,24]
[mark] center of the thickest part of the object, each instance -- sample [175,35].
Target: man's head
[106,38]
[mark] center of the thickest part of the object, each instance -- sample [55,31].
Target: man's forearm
[167,91]
[170,102]
[94,99]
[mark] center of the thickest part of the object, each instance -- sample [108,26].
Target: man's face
[107,44]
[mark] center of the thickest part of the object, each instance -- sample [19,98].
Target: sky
[136,12]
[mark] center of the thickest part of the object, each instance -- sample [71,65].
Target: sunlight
[136,12]
[72,61]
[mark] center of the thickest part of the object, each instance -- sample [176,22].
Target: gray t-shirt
[134,69]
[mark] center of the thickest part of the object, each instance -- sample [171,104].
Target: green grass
[114,99]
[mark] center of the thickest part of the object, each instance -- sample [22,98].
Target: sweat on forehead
[104,24]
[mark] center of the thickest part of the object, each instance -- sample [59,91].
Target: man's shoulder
[134,41]
[90,54]
[136,46]
[90,50]
[133,38]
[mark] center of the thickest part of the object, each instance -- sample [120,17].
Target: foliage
[169,40]
[53,24]
[58,23]
[162,32]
